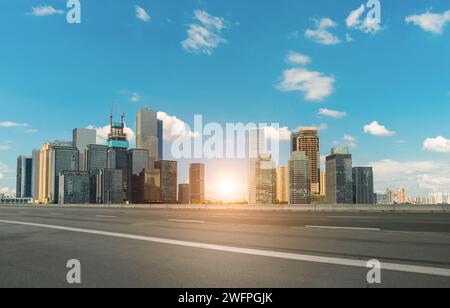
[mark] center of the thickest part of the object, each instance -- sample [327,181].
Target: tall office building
[339,177]
[35,175]
[118,151]
[256,146]
[109,186]
[147,187]
[184,196]
[96,158]
[74,187]
[169,180]
[138,161]
[62,159]
[265,180]
[294,141]
[82,137]
[401,196]
[197,183]
[24,176]
[363,191]
[299,179]
[149,133]
[308,142]
[323,183]
[46,170]
[390,196]
[160,135]
[282,185]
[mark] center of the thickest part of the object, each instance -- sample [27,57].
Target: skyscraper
[299,179]
[35,175]
[184,194]
[308,142]
[109,186]
[138,161]
[282,185]
[339,177]
[390,196]
[74,187]
[323,183]
[401,196]
[256,147]
[96,157]
[363,191]
[169,179]
[197,183]
[82,137]
[147,187]
[24,177]
[62,159]
[160,134]
[149,133]
[265,180]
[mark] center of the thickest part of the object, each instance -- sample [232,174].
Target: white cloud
[7,190]
[3,170]
[206,35]
[351,141]
[430,22]
[314,85]
[297,58]
[175,128]
[320,127]
[321,34]
[9,124]
[367,24]
[438,144]
[142,14]
[4,147]
[45,10]
[377,129]
[349,38]
[281,133]
[135,97]
[332,113]
[103,131]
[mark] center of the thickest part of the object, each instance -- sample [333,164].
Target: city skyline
[373,104]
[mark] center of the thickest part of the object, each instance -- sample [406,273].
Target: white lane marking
[445,272]
[187,221]
[56,214]
[105,216]
[354,217]
[342,228]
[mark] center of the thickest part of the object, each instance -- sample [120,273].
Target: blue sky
[55,76]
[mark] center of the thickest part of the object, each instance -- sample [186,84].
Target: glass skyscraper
[265,180]
[74,187]
[197,183]
[169,181]
[138,161]
[82,137]
[299,179]
[109,186]
[62,159]
[96,157]
[339,177]
[363,191]
[149,133]
[24,177]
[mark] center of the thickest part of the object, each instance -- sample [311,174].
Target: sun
[227,189]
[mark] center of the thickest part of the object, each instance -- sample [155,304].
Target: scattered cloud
[438,144]
[377,129]
[314,85]
[351,141]
[7,191]
[321,33]
[135,97]
[4,169]
[9,124]
[349,38]
[175,128]
[367,24]
[430,22]
[142,14]
[332,113]
[280,133]
[296,58]
[103,131]
[4,147]
[319,127]
[45,10]
[205,35]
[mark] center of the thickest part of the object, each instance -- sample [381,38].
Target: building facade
[138,161]
[109,186]
[148,133]
[265,180]
[147,187]
[82,137]
[197,183]
[35,175]
[74,187]
[184,196]
[169,180]
[96,159]
[256,146]
[299,179]
[282,185]
[309,143]
[401,196]
[24,177]
[339,177]
[62,159]
[363,190]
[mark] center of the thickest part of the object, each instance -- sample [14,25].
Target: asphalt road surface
[221,248]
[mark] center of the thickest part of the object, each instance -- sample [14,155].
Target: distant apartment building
[282,185]
[197,183]
[24,177]
[35,175]
[339,177]
[299,179]
[184,196]
[401,197]
[169,180]
[363,188]
[390,196]
[74,187]
[308,142]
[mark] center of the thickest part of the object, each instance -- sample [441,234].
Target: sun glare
[227,189]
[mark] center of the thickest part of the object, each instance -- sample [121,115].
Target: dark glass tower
[363,186]
[339,177]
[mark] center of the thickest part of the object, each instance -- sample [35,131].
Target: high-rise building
[390,196]
[299,179]
[147,187]
[339,177]
[401,196]
[197,183]
[35,174]
[160,136]
[46,169]
[294,141]
[184,194]
[382,198]
[138,161]
[255,148]
[363,190]
[74,187]
[96,159]
[323,183]
[118,151]
[62,159]
[308,142]
[82,137]
[149,133]
[24,176]
[282,185]
[169,180]
[265,180]
[109,186]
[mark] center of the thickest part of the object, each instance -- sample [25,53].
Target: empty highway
[119,247]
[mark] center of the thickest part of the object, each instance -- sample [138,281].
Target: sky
[383,89]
